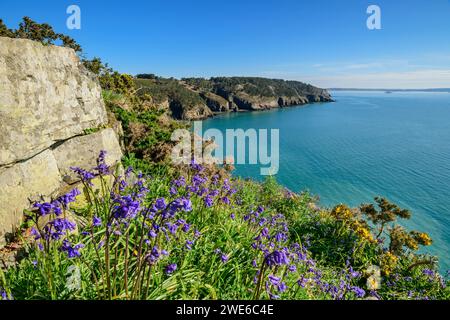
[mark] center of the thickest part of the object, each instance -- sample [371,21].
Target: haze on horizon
[323,42]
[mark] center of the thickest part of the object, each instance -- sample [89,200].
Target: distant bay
[365,144]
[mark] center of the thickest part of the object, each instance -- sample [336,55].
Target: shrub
[42,32]
[196,237]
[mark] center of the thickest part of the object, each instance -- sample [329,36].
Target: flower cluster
[136,233]
[4,295]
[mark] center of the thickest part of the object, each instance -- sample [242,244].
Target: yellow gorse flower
[342,212]
[388,262]
[424,239]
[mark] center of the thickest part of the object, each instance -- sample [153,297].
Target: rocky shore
[199,98]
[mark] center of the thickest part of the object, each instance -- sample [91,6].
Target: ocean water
[365,144]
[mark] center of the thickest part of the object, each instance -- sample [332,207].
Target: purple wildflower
[126,207]
[69,197]
[208,200]
[55,229]
[102,167]
[277,258]
[189,244]
[186,227]
[170,268]
[96,221]
[282,287]
[160,204]
[83,174]
[274,280]
[72,251]
[153,256]
[360,293]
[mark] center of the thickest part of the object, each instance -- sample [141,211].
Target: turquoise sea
[365,144]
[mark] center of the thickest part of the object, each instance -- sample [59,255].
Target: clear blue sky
[325,42]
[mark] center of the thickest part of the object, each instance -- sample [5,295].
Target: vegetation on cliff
[224,94]
[42,32]
[202,235]
[156,231]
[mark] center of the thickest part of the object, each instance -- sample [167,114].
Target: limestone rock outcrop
[46,96]
[48,104]
[83,151]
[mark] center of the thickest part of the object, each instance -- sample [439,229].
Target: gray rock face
[47,100]
[45,96]
[24,182]
[215,102]
[83,152]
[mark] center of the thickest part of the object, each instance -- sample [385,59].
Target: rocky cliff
[48,103]
[198,98]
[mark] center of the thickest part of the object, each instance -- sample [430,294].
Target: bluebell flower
[4,295]
[189,244]
[83,174]
[44,208]
[428,272]
[69,197]
[160,204]
[57,228]
[35,233]
[208,201]
[195,166]
[282,287]
[172,228]
[274,280]
[100,244]
[180,182]
[102,167]
[360,293]
[265,232]
[126,207]
[214,193]
[186,227]
[277,257]
[225,200]
[170,268]
[96,221]
[302,282]
[72,251]
[153,256]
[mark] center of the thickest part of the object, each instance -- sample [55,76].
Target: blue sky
[324,42]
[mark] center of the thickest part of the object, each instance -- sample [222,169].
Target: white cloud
[355,78]
[417,79]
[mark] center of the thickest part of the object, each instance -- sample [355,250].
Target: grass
[226,253]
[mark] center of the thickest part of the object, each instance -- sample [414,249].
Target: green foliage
[147,76]
[91,130]
[170,90]
[398,236]
[110,265]
[4,31]
[254,86]
[44,33]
